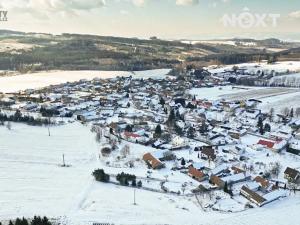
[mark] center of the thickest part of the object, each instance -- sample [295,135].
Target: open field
[253,68]
[276,98]
[32,182]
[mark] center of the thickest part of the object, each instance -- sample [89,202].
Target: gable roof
[155,163]
[208,151]
[195,173]
[253,195]
[263,182]
[130,134]
[217,180]
[268,144]
[292,173]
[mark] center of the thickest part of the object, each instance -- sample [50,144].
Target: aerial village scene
[226,147]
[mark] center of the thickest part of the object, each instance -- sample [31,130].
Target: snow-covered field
[12,45]
[43,79]
[277,98]
[291,80]
[253,68]
[33,182]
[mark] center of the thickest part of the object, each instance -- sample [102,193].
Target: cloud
[295,15]
[187,2]
[139,3]
[124,12]
[44,6]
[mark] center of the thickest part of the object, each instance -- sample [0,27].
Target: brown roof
[253,196]
[209,152]
[237,170]
[154,162]
[216,180]
[263,182]
[195,173]
[292,173]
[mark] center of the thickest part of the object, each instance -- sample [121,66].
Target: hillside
[34,52]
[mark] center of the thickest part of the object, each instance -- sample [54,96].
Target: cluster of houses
[161,113]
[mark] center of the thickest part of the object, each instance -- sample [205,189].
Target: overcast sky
[171,19]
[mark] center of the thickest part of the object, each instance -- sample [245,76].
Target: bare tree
[271,114]
[285,111]
[125,151]
[297,112]
[8,125]
[99,135]
[275,169]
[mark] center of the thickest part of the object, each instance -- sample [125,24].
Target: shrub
[124,179]
[100,175]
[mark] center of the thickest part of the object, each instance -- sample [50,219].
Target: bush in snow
[100,175]
[124,179]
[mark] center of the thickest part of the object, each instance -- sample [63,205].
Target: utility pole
[134,202]
[63,156]
[49,126]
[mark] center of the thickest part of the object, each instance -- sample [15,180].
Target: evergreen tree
[261,130]
[171,118]
[292,113]
[100,175]
[267,128]
[139,183]
[10,223]
[45,221]
[182,162]
[158,131]
[128,128]
[162,101]
[178,130]
[18,221]
[37,220]
[260,122]
[133,183]
[165,110]
[191,132]
[24,221]
[226,187]
[178,116]
[203,127]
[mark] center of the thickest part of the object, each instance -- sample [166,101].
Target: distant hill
[37,51]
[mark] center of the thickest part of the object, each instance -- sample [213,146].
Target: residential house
[275,146]
[237,170]
[152,161]
[208,153]
[264,184]
[291,175]
[196,174]
[252,196]
[217,181]
[294,147]
[236,178]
